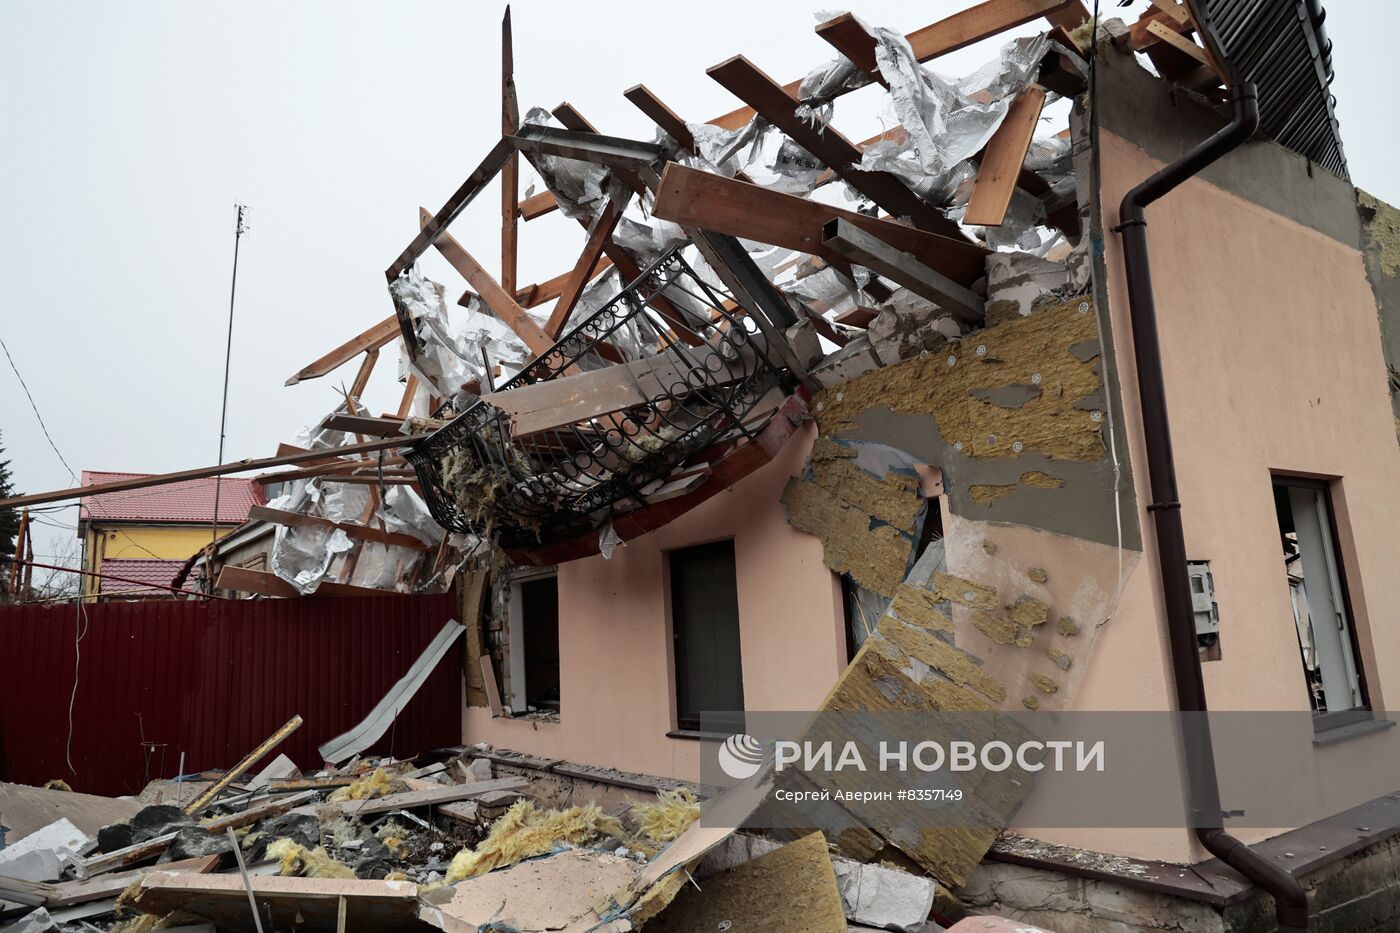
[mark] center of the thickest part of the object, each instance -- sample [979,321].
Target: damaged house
[1074,389]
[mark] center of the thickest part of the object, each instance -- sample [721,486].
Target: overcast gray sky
[131,128]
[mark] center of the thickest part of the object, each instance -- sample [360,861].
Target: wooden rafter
[510,172]
[954,32]
[747,82]
[861,246]
[501,303]
[357,388]
[694,198]
[464,195]
[1003,159]
[599,234]
[532,296]
[351,529]
[370,339]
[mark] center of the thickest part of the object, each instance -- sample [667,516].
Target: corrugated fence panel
[212,680]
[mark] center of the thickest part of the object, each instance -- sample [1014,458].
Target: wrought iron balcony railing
[694,372]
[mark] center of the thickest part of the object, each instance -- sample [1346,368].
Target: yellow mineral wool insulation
[876,558]
[526,831]
[375,784]
[670,816]
[394,838]
[1033,350]
[894,500]
[296,859]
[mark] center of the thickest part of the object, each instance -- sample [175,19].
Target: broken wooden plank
[238,770]
[1140,38]
[870,251]
[119,858]
[694,198]
[493,690]
[310,904]
[663,116]
[537,205]
[1171,37]
[371,339]
[463,196]
[1003,159]
[408,800]
[859,316]
[86,890]
[747,82]
[1176,11]
[599,234]
[319,783]
[261,812]
[262,583]
[352,530]
[365,424]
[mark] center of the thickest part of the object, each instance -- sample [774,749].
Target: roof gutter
[1290,901]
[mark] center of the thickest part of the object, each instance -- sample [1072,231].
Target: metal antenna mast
[238,230]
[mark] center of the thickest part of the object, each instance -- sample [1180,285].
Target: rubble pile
[402,844]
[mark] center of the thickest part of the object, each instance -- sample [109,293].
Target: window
[705,630]
[534,644]
[1317,587]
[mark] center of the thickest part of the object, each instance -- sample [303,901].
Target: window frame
[1335,719]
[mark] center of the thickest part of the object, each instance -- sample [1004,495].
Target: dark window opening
[705,630]
[539,616]
[1321,609]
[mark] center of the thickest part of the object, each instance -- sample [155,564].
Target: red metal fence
[211,680]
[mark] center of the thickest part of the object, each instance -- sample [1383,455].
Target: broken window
[705,631]
[1317,587]
[534,643]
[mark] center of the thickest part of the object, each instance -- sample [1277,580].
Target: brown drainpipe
[1290,900]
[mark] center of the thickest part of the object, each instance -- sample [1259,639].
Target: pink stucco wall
[1272,358]
[616,691]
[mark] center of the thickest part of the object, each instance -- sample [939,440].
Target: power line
[45,427]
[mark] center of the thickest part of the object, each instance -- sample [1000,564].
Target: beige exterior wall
[617,695]
[1272,358]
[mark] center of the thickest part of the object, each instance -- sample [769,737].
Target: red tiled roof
[143,571]
[190,501]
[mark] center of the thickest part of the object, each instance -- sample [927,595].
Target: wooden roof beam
[694,198]
[747,82]
[501,303]
[370,339]
[861,246]
[1003,159]
[599,234]
[510,172]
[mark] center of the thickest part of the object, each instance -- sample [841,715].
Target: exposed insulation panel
[791,888]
